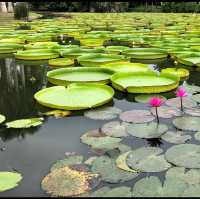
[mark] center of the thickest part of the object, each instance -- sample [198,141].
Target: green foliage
[21,11]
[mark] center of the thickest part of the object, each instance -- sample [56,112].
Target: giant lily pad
[68,181]
[106,167]
[65,76]
[166,112]
[41,45]
[98,140]
[187,123]
[150,130]
[176,102]
[99,59]
[114,129]
[116,49]
[177,137]
[106,113]
[75,96]
[25,123]
[137,116]
[145,53]
[189,59]
[38,54]
[127,67]
[9,180]
[147,159]
[9,48]
[61,62]
[184,155]
[181,72]
[146,97]
[2,118]
[144,82]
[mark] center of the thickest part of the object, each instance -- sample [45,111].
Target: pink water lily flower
[156,102]
[181,92]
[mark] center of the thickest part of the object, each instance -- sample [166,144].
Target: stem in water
[181,104]
[157,114]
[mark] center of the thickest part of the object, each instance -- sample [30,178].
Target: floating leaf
[137,116]
[58,113]
[9,180]
[191,88]
[106,167]
[70,160]
[25,123]
[90,160]
[98,140]
[166,112]
[176,102]
[187,123]
[2,118]
[150,130]
[115,129]
[177,137]
[106,113]
[121,162]
[197,136]
[196,98]
[193,112]
[184,155]
[145,98]
[68,181]
[147,159]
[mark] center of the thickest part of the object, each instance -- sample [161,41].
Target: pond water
[32,151]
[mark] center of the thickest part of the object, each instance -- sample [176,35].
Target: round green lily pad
[146,97]
[106,113]
[60,62]
[25,123]
[2,118]
[10,48]
[189,59]
[137,116]
[150,130]
[98,140]
[184,155]
[68,181]
[70,160]
[147,159]
[75,96]
[144,82]
[106,167]
[166,112]
[9,180]
[115,129]
[177,137]
[65,76]
[187,123]
[181,72]
[176,102]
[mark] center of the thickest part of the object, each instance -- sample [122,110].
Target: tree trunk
[10,7]
[3,7]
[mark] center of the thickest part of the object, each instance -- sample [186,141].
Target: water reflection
[18,83]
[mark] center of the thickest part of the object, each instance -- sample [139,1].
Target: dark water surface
[32,151]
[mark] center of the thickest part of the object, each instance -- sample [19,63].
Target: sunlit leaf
[58,113]
[2,118]
[145,98]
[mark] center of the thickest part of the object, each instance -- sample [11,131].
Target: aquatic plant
[156,102]
[181,92]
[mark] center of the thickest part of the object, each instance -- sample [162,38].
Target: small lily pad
[197,136]
[184,155]
[25,123]
[150,130]
[176,102]
[68,181]
[187,123]
[58,113]
[115,129]
[106,113]
[166,112]
[196,98]
[97,140]
[191,88]
[177,137]
[9,180]
[109,172]
[193,112]
[145,98]
[137,116]
[121,162]
[147,159]
[70,160]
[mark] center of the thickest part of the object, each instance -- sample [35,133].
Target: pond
[32,151]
